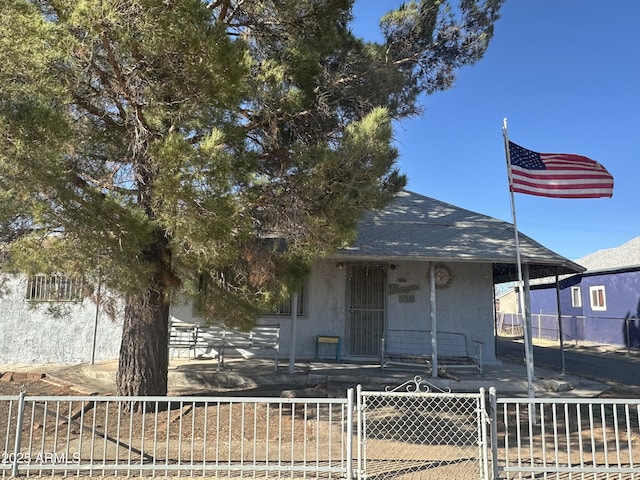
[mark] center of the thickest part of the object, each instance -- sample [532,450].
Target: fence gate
[412,432]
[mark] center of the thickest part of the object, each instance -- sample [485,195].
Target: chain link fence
[414,432]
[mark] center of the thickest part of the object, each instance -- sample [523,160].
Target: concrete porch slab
[255,376]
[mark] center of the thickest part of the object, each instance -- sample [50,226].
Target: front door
[366,302]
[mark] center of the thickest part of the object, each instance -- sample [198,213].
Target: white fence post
[360,420]
[493,419]
[17,447]
[349,439]
[482,417]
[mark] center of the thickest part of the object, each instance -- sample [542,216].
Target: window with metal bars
[54,288]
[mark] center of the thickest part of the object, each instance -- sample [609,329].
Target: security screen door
[366,303]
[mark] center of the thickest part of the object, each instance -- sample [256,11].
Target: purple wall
[619,324]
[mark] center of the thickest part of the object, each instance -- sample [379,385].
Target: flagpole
[528,347]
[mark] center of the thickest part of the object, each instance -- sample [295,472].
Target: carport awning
[504,272]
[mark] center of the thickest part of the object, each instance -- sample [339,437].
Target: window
[284,308]
[598,298]
[54,288]
[576,297]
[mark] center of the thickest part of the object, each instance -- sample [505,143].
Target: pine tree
[162,145]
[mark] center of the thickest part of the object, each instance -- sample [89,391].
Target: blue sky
[566,75]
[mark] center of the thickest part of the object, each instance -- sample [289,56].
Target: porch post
[560,336]
[434,321]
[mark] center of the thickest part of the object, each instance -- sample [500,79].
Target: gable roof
[426,229]
[625,256]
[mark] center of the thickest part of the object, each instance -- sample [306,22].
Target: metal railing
[221,437]
[404,432]
[415,347]
[571,437]
[621,331]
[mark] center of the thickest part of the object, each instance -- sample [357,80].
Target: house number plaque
[406,298]
[404,292]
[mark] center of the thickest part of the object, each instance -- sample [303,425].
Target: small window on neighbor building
[54,288]
[598,298]
[576,297]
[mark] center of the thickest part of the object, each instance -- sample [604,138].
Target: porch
[256,376]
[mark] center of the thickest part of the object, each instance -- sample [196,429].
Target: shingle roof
[423,228]
[626,255]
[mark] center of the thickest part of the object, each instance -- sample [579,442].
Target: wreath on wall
[443,275]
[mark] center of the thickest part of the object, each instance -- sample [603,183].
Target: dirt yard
[617,390]
[12,383]
[37,384]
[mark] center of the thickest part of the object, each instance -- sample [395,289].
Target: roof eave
[504,270]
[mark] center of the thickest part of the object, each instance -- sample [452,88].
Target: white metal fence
[400,433]
[222,437]
[565,438]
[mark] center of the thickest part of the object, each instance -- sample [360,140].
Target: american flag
[557,175]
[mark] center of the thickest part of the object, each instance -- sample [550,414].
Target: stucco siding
[622,293]
[324,312]
[30,335]
[465,307]
[408,278]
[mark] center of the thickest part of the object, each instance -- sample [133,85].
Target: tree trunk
[144,356]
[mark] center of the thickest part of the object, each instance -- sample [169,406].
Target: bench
[413,348]
[220,339]
[259,338]
[183,336]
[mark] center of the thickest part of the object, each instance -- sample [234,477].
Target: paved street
[606,364]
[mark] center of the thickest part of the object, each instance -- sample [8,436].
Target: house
[417,266]
[599,305]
